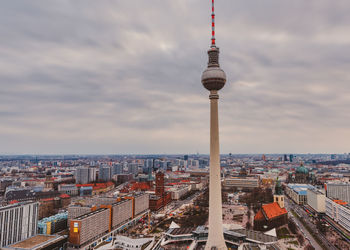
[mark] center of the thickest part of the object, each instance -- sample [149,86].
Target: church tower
[278,196]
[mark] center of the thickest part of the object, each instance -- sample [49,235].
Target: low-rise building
[178,192]
[241,182]
[70,189]
[298,192]
[40,242]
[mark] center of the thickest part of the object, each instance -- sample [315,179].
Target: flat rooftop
[33,242]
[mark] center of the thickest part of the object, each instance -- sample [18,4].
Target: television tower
[213,79]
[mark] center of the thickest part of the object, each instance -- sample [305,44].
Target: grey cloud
[124,76]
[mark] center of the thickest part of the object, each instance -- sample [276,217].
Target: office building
[18,222]
[241,182]
[298,192]
[89,227]
[316,200]
[338,190]
[117,169]
[105,173]
[339,211]
[85,175]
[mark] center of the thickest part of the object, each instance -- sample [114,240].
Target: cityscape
[105,145]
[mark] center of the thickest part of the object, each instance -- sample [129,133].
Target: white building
[123,242]
[338,190]
[18,222]
[178,192]
[316,200]
[338,211]
[241,182]
[298,192]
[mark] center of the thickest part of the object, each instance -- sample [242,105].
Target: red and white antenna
[212,25]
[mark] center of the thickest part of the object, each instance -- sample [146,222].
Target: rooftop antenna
[212,25]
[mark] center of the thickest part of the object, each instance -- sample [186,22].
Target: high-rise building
[160,184]
[18,222]
[117,169]
[105,173]
[338,190]
[85,175]
[291,157]
[214,79]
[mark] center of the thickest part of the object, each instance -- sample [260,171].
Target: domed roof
[302,170]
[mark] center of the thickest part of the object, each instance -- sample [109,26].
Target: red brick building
[161,198]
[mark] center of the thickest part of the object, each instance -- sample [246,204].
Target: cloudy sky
[87,76]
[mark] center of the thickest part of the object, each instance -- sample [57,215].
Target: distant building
[338,190]
[84,175]
[161,198]
[291,157]
[122,178]
[70,189]
[18,222]
[316,200]
[105,173]
[117,169]
[301,174]
[241,182]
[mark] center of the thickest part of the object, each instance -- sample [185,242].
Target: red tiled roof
[64,196]
[340,202]
[47,199]
[273,210]
[140,185]
[259,215]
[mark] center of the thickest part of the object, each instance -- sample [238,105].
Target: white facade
[123,242]
[338,213]
[339,191]
[177,193]
[298,192]
[316,200]
[141,203]
[18,222]
[240,182]
[122,211]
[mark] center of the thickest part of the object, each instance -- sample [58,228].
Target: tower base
[215,245]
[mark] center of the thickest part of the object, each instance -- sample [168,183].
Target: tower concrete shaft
[215,236]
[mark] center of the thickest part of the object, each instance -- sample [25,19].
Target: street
[291,206]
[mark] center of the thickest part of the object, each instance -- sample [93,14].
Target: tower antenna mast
[212,25]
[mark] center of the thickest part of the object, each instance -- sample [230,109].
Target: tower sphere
[213,77]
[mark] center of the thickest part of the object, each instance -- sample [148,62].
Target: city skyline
[114,78]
